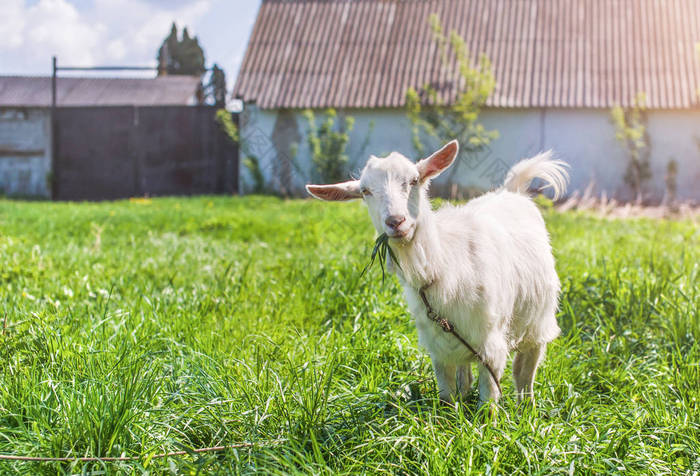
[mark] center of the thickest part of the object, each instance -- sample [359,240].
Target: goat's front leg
[495,353]
[445,374]
[464,379]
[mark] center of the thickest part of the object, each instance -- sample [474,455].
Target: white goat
[488,264]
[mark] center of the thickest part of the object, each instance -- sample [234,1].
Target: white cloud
[13,24]
[103,32]
[55,25]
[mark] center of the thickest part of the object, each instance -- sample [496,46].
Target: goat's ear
[336,192]
[439,161]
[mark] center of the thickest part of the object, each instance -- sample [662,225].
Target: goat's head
[392,187]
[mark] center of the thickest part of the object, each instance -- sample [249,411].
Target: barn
[560,67]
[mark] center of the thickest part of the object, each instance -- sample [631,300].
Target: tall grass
[155,325]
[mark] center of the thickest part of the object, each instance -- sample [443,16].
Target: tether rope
[448,327]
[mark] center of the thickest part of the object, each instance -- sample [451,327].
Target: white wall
[25,152]
[391,131]
[676,134]
[583,137]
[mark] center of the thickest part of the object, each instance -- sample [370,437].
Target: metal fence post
[54,129]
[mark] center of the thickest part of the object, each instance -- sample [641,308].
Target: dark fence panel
[117,152]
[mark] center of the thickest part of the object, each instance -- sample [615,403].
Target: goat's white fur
[541,166]
[489,262]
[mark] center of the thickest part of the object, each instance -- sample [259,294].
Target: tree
[631,132]
[439,120]
[216,88]
[180,56]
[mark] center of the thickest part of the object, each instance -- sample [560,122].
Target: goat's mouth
[402,235]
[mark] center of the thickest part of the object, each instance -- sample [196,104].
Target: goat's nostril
[394,221]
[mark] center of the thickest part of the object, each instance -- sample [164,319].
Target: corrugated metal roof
[36,91]
[545,53]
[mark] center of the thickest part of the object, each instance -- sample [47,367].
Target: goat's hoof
[488,410]
[469,396]
[526,399]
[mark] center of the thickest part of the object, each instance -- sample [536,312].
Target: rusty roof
[545,53]
[28,91]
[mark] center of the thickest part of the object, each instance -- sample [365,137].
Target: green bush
[328,141]
[631,132]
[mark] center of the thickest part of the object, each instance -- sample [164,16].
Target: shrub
[631,132]
[328,143]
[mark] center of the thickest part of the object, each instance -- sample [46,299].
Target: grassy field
[141,327]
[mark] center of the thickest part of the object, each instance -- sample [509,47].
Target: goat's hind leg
[525,366]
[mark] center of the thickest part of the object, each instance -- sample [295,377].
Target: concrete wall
[583,137]
[25,152]
[676,134]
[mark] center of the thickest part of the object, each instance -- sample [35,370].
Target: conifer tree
[180,56]
[216,88]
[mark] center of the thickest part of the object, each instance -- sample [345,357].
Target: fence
[112,152]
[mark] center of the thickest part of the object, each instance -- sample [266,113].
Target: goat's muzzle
[394,221]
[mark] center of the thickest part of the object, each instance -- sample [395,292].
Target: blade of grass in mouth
[381,248]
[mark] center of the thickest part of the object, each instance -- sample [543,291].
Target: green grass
[142,327]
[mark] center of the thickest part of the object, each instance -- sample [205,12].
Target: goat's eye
[366,192]
[414,182]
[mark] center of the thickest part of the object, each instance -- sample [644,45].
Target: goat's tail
[541,166]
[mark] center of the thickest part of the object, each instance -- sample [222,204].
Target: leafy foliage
[181,56]
[216,87]
[631,132]
[442,113]
[135,327]
[250,161]
[671,180]
[252,164]
[328,143]
[225,121]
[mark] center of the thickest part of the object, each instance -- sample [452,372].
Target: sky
[118,32]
